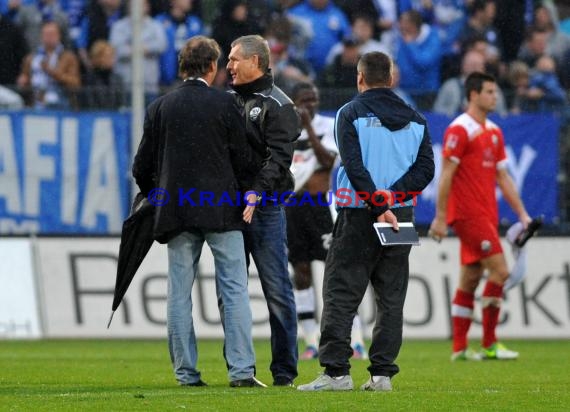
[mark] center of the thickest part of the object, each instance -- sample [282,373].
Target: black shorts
[309,231]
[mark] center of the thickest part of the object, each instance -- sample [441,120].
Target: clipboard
[407,234]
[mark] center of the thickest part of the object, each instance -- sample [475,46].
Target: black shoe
[198,383]
[247,383]
[526,234]
[283,381]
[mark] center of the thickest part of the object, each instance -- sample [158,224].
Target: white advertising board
[78,277]
[537,308]
[18,304]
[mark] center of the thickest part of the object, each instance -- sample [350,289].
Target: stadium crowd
[83,60]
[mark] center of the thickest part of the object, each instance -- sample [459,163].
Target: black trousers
[355,258]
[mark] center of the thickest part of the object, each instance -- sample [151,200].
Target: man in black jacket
[387,158]
[193,149]
[272,127]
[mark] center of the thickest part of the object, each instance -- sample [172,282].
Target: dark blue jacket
[383,144]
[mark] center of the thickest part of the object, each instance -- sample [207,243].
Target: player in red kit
[474,162]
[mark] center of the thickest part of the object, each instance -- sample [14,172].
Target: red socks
[462,314]
[491,300]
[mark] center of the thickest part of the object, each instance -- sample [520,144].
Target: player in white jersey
[309,221]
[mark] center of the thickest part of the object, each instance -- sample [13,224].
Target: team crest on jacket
[254,113]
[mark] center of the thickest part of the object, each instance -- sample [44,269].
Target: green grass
[136,375]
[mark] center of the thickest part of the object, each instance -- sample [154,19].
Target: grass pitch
[136,375]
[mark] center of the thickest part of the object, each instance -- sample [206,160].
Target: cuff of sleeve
[378,210]
[258,191]
[383,197]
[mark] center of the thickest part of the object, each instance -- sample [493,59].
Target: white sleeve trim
[502,164]
[455,159]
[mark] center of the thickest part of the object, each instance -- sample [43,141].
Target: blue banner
[69,173]
[64,172]
[532,146]
[532,149]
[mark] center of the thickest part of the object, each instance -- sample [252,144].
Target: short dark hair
[477,6]
[197,56]
[365,17]
[415,18]
[299,87]
[474,83]
[51,22]
[532,31]
[376,68]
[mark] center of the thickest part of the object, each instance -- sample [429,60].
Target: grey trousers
[355,258]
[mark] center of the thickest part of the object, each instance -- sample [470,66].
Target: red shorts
[479,239]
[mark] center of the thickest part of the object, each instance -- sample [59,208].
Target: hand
[384,24]
[46,68]
[388,197]
[22,80]
[535,93]
[250,207]
[389,217]
[305,117]
[438,229]
[525,219]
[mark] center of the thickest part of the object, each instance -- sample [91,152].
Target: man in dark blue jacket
[387,158]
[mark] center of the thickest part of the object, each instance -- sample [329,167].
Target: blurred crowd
[76,54]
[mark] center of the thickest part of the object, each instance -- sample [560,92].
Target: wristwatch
[258,197]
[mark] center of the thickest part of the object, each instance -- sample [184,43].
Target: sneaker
[247,383]
[359,352]
[378,384]
[466,355]
[529,232]
[310,353]
[498,351]
[327,383]
[283,381]
[198,383]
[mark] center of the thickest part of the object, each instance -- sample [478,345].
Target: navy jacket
[383,144]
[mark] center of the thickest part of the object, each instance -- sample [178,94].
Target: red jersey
[479,151]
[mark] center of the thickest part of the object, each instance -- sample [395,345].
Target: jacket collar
[378,91]
[194,82]
[263,83]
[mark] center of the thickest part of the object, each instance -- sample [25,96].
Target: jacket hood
[392,111]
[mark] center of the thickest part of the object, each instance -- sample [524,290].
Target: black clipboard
[407,234]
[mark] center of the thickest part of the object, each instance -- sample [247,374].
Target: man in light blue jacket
[386,158]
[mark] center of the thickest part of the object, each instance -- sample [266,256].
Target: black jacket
[273,125]
[194,147]
[102,89]
[13,49]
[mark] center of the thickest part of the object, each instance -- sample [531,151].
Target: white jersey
[305,161]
